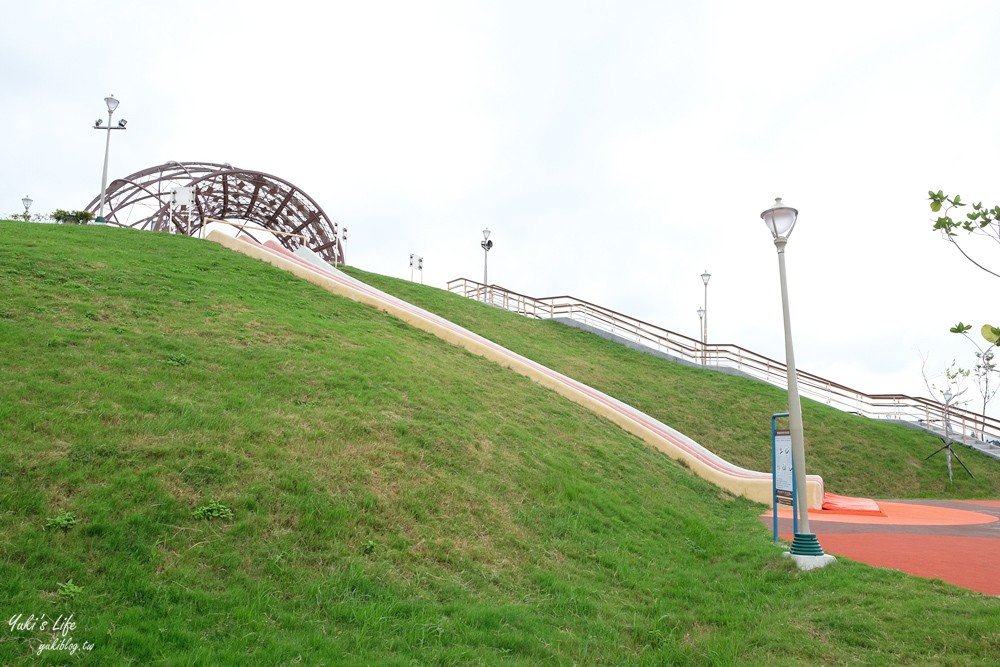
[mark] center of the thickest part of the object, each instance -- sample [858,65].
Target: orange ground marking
[899,514]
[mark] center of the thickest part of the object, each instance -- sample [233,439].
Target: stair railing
[966,424]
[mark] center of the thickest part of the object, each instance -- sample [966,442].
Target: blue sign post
[783,491]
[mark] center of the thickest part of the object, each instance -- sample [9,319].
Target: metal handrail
[923,411]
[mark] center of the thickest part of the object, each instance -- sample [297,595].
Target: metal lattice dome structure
[250,200]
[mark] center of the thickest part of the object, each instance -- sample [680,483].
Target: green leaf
[935,206]
[991,333]
[960,328]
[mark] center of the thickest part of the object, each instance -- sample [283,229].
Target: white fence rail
[964,424]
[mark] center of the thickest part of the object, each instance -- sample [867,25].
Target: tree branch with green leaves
[985,369]
[980,221]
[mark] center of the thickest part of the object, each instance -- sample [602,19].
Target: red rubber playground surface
[957,541]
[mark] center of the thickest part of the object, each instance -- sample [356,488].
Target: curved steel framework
[222,192]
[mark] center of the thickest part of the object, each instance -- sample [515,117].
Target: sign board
[783,491]
[784,480]
[183,196]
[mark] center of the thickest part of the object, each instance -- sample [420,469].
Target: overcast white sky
[616,149]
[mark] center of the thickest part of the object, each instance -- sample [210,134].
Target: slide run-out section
[749,483]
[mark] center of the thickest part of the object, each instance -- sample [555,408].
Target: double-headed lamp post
[780,219]
[98,125]
[487,245]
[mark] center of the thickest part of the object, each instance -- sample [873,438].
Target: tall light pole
[27,202]
[704,327]
[486,244]
[112,105]
[780,220]
[701,325]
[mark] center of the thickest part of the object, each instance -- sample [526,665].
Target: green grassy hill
[729,415]
[209,462]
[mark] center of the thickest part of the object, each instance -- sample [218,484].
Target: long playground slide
[749,483]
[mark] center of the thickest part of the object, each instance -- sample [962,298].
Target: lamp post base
[806,544]
[807,552]
[806,563]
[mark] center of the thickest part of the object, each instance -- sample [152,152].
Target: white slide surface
[749,483]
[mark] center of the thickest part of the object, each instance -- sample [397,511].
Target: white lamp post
[780,220]
[704,329]
[486,244]
[701,326]
[112,105]
[27,202]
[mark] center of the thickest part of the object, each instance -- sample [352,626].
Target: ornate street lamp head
[27,202]
[780,219]
[111,102]
[486,234]
[705,276]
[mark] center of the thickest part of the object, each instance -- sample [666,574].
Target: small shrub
[72,217]
[368,547]
[213,510]
[31,217]
[178,360]
[63,520]
[68,590]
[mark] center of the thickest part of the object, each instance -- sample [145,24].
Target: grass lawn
[209,462]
